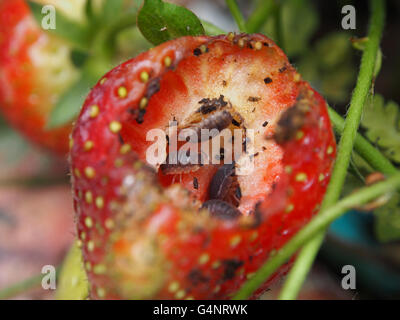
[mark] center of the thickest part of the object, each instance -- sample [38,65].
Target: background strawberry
[35,69]
[144,238]
[42,70]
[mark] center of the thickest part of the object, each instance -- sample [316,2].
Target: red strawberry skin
[143,238]
[34,71]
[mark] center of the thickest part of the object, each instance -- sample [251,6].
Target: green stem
[104,42]
[89,10]
[21,287]
[38,181]
[363,147]
[307,254]
[301,267]
[237,14]
[314,227]
[211,29]
[278,28]
[260,15]
[103,46]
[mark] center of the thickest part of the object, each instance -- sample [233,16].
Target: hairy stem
[314,227]
[307,254]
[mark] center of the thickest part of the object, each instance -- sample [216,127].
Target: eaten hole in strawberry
[214,114]
[172,220]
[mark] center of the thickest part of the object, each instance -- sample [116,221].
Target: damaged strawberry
[196,231]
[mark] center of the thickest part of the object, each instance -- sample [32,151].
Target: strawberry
[35,69]
[145,236]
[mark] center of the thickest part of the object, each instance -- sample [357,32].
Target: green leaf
[299,20]
[387,220]
[72,282]
[333,49]
[382,125]
[69,105]
[161,21]
[336,84]
[329,67]
[66,29]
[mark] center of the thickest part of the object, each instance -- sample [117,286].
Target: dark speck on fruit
[267,80]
